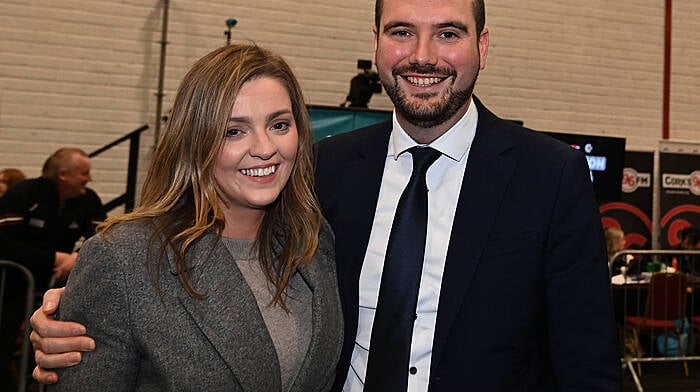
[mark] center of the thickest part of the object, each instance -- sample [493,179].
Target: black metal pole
[161,72]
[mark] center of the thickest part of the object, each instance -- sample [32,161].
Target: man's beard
[425,115]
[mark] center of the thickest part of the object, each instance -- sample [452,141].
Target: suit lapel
[317,367]
[487,174]
[229,317]
[359,187]
[305,380]
[360,184]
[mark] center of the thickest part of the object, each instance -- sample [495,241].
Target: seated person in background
[615,240]
[40,221]
[690,264]
[9,178]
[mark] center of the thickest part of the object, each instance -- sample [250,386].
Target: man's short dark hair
[477,5]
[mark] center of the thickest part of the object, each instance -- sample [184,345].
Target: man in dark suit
[514,290]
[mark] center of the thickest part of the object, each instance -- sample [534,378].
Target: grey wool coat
[170,341]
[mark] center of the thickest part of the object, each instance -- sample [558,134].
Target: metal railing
[6,265]
[129,196]
[633,285]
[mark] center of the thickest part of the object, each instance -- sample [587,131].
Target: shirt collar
[454,143]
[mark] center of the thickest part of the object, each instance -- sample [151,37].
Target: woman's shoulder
[110,255]
[124,235]
[326,237]
[324,258]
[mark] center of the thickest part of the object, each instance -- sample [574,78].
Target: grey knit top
[290,332]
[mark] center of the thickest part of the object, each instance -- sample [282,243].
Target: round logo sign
[629,180]
[695,182]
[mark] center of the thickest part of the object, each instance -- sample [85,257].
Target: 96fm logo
[631,180]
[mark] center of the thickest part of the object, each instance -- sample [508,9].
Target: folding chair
[665,308]
[6,266]
[695,322]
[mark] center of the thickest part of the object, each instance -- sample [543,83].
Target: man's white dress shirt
[444,180]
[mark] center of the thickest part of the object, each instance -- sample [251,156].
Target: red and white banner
[633,212]
[679,195]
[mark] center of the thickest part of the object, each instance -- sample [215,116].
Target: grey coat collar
[231,320]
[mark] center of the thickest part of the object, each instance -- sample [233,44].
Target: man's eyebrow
[393,25]
[452,24]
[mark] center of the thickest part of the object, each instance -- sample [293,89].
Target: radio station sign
[632,213]
[679,195]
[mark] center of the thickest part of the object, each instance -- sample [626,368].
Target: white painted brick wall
[85,72]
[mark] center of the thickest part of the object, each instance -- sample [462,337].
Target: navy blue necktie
[390,344]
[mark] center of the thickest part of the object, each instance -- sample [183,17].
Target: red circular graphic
[675,220]
[676,226]
[695,182]
[633,221]
[629,180]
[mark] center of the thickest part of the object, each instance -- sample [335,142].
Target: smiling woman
[258,154]
[227,263]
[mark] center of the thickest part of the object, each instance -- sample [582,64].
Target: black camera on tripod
[363,85]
